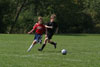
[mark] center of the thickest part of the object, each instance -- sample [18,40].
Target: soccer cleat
[28,50]
[55,45]
[39,49]
[40,42]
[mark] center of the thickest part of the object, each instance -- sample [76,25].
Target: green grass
[83,51]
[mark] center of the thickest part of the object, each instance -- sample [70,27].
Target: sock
[43,46]
[29,49]
[53,43]
[40,41]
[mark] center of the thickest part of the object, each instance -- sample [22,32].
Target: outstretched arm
[57,30]
[46,31]
[30,31]
[34,27]
[48,26]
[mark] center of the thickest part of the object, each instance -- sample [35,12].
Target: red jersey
[40,28]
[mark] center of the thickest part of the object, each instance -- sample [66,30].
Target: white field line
[32,55]
[45,56]
[41,57]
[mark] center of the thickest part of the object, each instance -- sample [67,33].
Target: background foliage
[73,16]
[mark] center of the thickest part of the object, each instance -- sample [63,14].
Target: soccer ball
[63,51]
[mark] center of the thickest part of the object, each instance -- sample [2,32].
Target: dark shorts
[50,35]
[38,37]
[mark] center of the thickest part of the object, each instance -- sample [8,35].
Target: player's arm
[57,30]
[48,26]
[56,25]
[30,31]
[45,32]
[34,27]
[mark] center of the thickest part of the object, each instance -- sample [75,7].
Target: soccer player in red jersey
[40,29]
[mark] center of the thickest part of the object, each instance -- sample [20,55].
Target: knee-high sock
[53,43]
[29,49]
[43,46]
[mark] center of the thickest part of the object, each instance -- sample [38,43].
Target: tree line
[73,16]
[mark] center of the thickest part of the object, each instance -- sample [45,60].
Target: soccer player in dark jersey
[40,29]
[51,28]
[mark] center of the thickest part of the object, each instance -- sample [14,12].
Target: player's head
[52,18]
[40,19]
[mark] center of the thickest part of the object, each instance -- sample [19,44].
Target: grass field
[83,51]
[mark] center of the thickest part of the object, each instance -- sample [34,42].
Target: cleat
[40,49]
[55,45]
[28,50]
[40,42]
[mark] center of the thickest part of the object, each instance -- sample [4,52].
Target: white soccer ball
[64,51]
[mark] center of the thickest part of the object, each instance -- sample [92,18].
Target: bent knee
[49,41]
[46,38]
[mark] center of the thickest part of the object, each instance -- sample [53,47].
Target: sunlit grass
[83,51]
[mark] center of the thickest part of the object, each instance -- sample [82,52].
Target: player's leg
[40,40]
[34,42]
[32,45]
[51,42]
[45,41]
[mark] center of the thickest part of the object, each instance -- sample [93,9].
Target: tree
[4,13]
